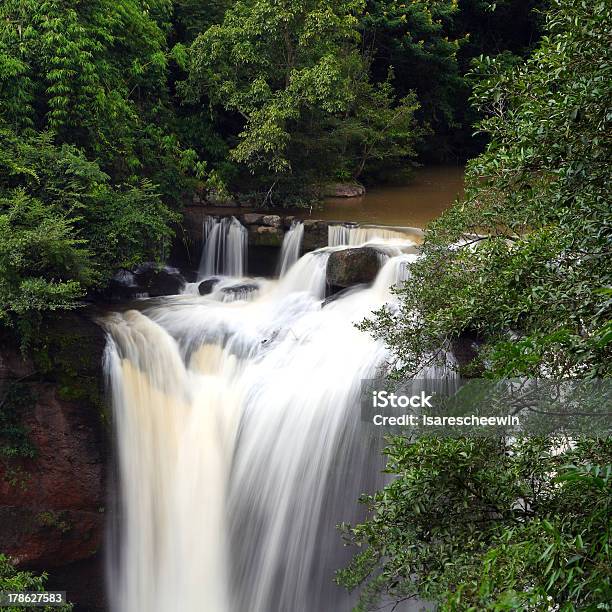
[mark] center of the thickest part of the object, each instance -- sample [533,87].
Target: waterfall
[225,247]
[240,444]
[356,235]
[290,250]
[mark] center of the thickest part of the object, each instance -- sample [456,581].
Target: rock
[158,281]
[240,291]
[262,235]
[166,282]
[315,234]
[252,219]
[206,286]
[272,220]
[343,190]
[352,266]
[122,286]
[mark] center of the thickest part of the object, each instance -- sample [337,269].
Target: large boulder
[122,286]
[272,220]
[207,285]
[352,267]
[158,281]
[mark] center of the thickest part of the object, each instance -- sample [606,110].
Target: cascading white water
[225,247]
[356,235]
[240,445]
[290,250]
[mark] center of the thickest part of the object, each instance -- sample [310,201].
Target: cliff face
[53,455]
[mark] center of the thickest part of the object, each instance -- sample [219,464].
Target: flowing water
[238,435]
[225,247]
[290,250]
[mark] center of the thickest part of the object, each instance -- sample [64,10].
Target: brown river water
[431,191]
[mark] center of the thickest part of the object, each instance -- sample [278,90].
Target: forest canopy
[113,113]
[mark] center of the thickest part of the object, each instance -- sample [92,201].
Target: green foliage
[95,74]
[522,264]
[487,524]
[417,40]
[523,261]
[12,579]
[14,439]
[293,73]
[64,228]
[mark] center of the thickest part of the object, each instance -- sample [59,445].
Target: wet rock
[352,266]
[252,219]
[315,234]
[343,190]
[272,220]
[156,281]
[122,286]
[207,286]
[265,236]
[240,291]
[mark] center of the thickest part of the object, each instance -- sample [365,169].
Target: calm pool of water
[432,191]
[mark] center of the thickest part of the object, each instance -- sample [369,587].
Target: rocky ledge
[53,453]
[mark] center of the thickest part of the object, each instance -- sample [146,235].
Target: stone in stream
[158,281]
[207,286]
[242,291]
[240,288]
[352,267]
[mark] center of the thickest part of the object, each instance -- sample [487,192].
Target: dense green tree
[417,40]
[430,45]
[64,228]
[95,73]
[523,261]
[484,524]
[292,71]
